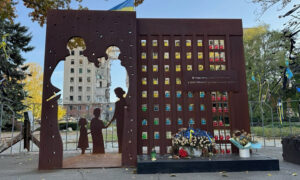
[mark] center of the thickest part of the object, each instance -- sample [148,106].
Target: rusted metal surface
[100,30]
[231,80]
[108,160]
[96,132]
[83,142]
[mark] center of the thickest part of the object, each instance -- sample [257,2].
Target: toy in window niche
[222,44]
[119,115]
[211,44]
[222,57]
[217,57]
[177,43]
[188,42]
[214,108]
[154,42]
[218,96]
[213,96]
[220,108]
[200,55]
[166,55]
[83,142]
[216,44]
[211,56]
[199,43]
[166,42]
[143,42]
[96,131]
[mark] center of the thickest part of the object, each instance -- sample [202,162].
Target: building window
[71,98]
[79,98]
[80,70]
[80,79]
[72,61]
[88,98]
[81,53]
[87,108]
[72,70]
[80,61]
[72,52]
[71,88]
[88,88]
[88,70]
[79,107]
[71,107]
[71,79]
[80,88]
[88,79]
[100,84]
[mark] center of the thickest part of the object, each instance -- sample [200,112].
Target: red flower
[183,153]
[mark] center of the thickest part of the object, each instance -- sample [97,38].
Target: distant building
[86,86]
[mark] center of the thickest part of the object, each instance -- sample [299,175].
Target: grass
[269,132]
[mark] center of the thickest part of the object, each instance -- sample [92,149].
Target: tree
[291,30]
[34,88]
[266,54]
[39,8]
[15,39]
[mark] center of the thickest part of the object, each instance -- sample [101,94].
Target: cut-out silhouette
[96,131]
[83,142]
[119,115]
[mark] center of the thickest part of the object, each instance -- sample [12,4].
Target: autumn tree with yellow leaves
[34,88]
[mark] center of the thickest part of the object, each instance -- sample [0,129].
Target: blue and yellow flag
[127,5]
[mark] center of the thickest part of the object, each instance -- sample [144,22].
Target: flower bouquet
[243,141]
[192,142]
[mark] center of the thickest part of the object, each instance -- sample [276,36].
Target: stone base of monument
[217,163]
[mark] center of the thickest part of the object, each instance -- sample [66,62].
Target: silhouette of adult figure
[96,131]
[119,115]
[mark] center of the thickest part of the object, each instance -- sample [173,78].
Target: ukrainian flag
[127,5]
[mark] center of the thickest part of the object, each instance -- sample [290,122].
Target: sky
[204,9]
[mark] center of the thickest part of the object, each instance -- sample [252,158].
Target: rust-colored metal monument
[182,72]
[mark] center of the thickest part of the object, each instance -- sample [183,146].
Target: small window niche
[144,94]
[144,135]
[144,122]
[156,135]
[188,43]
[155,94]
[166,43]
[177,43]
[154,43]
[156,121]
[143,42]
[144,107]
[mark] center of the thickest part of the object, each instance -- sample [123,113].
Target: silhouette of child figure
[96,131]
[83,142]
[119,115]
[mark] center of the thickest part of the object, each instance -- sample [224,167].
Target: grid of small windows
[221,122]
[163,104]
[217,56]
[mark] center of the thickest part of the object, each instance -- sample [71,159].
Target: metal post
[251,118]
[67,135]
[287,116]
[32,126]
[1,119]
[271,109]
[262,120]
[20,147]
[12,132]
